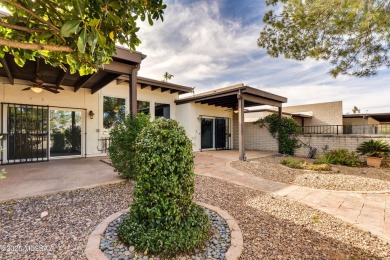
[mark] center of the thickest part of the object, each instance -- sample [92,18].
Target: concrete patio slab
[41,178]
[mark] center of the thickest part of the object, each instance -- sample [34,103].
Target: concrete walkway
[41,178]
[369,211]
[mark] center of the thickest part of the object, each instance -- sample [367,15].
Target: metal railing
[105,143]
[383,129]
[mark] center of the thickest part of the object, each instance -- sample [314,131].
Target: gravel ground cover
[273,228]
[341,178]
[63,233]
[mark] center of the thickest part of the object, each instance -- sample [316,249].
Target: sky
[213,44]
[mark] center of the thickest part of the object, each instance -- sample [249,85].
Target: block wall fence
[333,142]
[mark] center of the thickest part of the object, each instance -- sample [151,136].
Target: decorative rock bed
[225,243]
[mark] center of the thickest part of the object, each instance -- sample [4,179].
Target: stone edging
[93,252]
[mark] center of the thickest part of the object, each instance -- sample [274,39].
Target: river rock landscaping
[215,248]
[340,178]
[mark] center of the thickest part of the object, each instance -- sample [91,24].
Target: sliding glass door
[65,133]
[215,133]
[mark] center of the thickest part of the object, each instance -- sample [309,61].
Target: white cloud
[203,49]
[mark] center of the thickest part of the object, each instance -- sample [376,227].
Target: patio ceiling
[122,64]
[228,97]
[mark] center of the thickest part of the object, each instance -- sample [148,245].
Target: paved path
[369,211]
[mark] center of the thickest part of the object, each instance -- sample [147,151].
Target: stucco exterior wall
[84,101]
[187,115]
[328,113]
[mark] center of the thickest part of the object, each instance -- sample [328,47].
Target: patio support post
[241,148]
[133,91]
[280,120]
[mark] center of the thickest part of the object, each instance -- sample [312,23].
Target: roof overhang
[124,61]
[228,97]
[153,85]
[381,117]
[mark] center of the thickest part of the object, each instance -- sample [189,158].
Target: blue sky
[213,44]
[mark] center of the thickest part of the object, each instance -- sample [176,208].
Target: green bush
[374,148]
[339,157]
[285,131]
[303,165]
[292,163]
[164,218]
[121,150]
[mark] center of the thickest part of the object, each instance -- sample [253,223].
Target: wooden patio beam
[82,81]
[7,71]
[260,100]
[103,82]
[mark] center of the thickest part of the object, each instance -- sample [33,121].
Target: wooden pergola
[237,97]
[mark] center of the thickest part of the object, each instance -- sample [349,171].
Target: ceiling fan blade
[52,90]
[52,86]
[28,88]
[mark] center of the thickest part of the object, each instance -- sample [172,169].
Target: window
[114,110]
[143,107]
[162,110]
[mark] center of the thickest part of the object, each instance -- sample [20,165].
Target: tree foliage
[79,33]
[122,147]
[164,218]
[353,35]
[285,130]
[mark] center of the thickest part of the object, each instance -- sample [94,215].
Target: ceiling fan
[38,85]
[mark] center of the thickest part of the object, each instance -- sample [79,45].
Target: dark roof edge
[163,84]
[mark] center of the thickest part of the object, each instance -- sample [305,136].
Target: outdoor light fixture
[91,114]
[36,89]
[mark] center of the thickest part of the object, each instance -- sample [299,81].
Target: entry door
[25,133]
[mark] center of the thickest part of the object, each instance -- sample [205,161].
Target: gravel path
[273,228]
[342,178]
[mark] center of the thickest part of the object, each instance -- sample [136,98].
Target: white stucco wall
[188,114]
[85,101]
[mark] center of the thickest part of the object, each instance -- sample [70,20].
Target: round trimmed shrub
[121,150]
[164,218]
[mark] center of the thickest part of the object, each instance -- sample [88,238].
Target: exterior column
[241,147]
[133,91]
[280,120]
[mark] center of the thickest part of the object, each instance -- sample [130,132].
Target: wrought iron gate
[25,133]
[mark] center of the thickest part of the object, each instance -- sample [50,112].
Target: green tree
[79,33]
[353,35]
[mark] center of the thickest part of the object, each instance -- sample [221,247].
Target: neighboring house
[369,123]
[47,113]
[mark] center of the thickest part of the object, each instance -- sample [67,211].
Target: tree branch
[22,28]
[53,27]
[35,46]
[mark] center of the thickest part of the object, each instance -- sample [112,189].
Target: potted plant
[375,150]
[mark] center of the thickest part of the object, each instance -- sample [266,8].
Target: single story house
[47,113]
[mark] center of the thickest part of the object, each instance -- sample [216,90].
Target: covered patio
[237,98]
[42,178]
